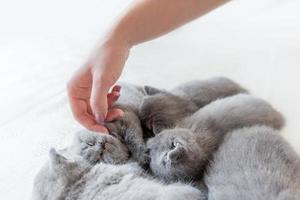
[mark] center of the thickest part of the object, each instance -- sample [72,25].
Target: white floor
[256,43]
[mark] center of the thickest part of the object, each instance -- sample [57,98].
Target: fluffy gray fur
[202,92]
[96,148]
[128,129]
[251,163]
[82,177]
[182,153]
[163,110]
[254,163]
[153,106]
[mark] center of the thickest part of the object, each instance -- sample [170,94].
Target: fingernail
[117,88]
[117,97]
[99,119]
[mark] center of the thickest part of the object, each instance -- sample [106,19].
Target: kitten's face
[176,155]
[163,110]
[96,147]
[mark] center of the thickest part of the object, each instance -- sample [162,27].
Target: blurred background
[256,43]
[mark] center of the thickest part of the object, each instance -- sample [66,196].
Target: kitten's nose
[147,151]
[102,144]
[174,157]
[176,154]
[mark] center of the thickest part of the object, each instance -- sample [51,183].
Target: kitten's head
[176,155]
[130,99]
[57,175]
[128,123]
[96,147]
[130,102]
[163,110]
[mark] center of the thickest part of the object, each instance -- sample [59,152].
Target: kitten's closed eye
[173,145]
[90,143]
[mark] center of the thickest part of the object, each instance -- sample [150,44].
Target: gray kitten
[144,102]
[85,176]
[254,163]
[182,153]
[163,110]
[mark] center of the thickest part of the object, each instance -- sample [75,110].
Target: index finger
[80,113]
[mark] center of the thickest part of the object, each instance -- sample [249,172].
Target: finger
[92,125]
[112,97]
[98,101]
[79,110]
[113,114]
[100,129]
[116,88]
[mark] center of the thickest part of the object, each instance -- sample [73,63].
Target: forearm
[149,19]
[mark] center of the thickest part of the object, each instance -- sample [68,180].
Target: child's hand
[88,89]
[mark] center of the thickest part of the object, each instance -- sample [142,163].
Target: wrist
[110,47]
[116,38]
[108,59]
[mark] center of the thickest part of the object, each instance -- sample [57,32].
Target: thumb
[98,100]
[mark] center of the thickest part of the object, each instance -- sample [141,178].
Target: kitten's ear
[76,138]
[151,90]
[150,143]
[68,170]
[58,163]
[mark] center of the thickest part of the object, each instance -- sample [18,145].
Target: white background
[256,43]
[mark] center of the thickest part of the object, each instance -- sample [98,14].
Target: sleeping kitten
[254,163]
[82,177]
[182,153]
[96,148]
[163,110]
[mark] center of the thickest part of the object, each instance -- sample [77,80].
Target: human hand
[88,89]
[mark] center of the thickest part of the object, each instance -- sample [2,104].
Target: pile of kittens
[202,140]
